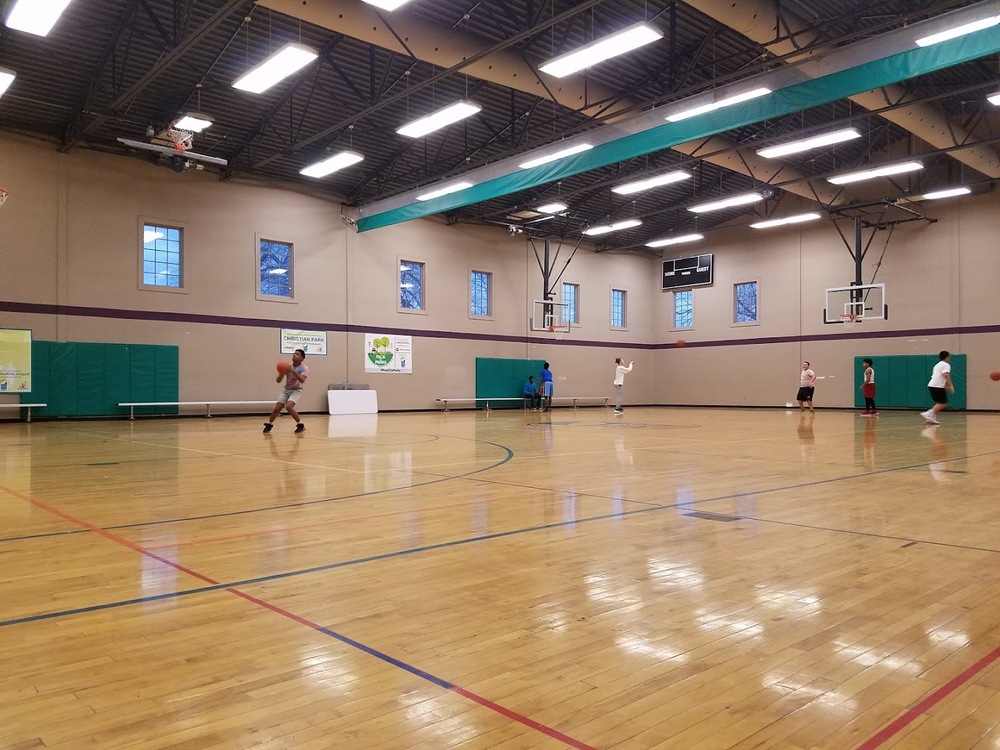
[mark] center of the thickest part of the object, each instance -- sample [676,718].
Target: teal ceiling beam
[792,98]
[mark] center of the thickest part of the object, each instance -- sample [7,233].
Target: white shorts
[289,394]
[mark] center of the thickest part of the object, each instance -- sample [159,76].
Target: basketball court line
[489,537]
[384,657]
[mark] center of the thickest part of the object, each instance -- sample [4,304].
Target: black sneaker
[300,427]
[267,427]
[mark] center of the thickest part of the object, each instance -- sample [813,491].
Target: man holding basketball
[294,377]
[619,381]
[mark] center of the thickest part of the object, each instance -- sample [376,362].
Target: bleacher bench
[474,401]
[207,404]
[29,407]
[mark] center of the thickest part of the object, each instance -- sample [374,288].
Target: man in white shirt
[807,387]
[940,386]
[619,381]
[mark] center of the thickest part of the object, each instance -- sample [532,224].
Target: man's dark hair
[866,362]
[302,352]
[944,354]
[531,377]
[546,365]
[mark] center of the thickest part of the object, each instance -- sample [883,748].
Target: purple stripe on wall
[31,308]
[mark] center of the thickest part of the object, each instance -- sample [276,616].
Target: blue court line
[139,524]
[514,532]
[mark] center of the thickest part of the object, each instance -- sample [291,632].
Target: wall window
[411,285]
[619,311]
[275,267]
[480,294]
[684,309]
[162,256]
[571,311]
[745,302]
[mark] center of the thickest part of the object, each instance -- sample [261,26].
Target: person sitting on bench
[531,394]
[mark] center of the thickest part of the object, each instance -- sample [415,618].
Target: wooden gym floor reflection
[673,578]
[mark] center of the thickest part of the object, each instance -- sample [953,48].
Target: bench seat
[207,404]
[29,407]
[474,401]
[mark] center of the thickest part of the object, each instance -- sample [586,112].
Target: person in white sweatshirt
[619,381]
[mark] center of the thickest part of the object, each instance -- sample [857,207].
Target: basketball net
[849,320]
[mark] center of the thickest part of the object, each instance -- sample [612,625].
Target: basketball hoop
[849,320]
[3,197]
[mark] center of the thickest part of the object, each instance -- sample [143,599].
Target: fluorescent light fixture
[869,174]
[36,16]
[618,225]
[387,4]
[440,119]
[652,182]
[552,208]
[7,77]
[797,219]
[287,60]
[453,188]
[967,28]
[602,49]
[193,122]
[577,149]
[818,141]
[994,98]
[736,200]
[727,102]
[675,240]
[333,164]
[939,194]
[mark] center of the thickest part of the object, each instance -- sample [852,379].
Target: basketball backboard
[549,316]
[855,304]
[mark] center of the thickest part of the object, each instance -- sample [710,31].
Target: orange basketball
[681,342]
[284,367]
[995,375]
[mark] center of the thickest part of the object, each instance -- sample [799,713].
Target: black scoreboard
[684,272]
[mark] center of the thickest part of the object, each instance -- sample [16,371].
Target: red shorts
[869,390]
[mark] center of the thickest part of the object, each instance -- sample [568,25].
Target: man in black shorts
[807,380]
[940,386]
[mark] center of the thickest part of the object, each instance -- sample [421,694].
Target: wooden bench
[207,404]
[575,399]
[29,407]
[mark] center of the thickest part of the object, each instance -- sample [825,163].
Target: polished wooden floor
[673,578]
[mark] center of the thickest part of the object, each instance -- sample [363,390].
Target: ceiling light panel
[562,154]
[797,219]
[994,99]
[36,16]
[193,123]
[870,174]
[808,144]
[736,200]
[652,182]
[552,208]
[288,60]
[440,119]
[966,28]
[726,102]
[334,164]
[950,193]
[453,188]
[7,77]
[680,239]
[617,226]
[389,5]
[602,49]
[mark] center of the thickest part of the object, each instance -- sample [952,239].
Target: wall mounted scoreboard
[681,273]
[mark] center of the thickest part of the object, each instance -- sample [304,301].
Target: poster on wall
[385,353]
[15,360]
[311,342]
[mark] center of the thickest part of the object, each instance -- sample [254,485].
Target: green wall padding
[504,378]
[62,383]
[117,386]
[166,385]
[89,380]
[901,380]
[84,379]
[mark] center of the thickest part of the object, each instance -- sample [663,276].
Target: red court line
[925,705]
[486,703]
